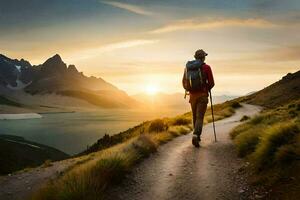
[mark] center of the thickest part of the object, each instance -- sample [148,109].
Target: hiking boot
[195,141]
[199,139]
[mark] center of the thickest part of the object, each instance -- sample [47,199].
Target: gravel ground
[21,185]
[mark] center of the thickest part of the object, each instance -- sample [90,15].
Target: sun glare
[151,89]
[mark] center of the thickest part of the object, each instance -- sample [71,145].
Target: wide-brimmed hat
[200,53]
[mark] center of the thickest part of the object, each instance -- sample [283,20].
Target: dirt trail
[180,171]
[21,184]
[176,171]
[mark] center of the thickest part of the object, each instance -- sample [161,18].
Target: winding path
[180,171]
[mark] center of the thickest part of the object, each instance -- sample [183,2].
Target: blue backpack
[194,76]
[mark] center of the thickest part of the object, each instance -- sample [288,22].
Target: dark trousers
[199,106]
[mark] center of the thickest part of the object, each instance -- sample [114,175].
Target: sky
[141,45]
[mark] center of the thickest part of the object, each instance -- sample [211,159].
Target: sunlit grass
[274,143]
[90,179]
[115,157]
[271,142]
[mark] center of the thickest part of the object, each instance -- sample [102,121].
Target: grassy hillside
[111,157]
[17,153]
[271,140]
[280,93]
[6,101]
[221,111]
[271,143]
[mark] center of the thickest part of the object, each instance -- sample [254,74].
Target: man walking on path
[198,81]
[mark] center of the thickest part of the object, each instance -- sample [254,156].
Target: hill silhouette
[282,92]
[16,153]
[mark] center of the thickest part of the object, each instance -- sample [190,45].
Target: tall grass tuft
[181,120]
[247,141]
[276,136]
[89,180]
[235,104]
[158,125]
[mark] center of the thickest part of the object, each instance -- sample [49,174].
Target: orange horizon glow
[136,44]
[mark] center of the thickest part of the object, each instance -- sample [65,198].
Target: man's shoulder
[206,66]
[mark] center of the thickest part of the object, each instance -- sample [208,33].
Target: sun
[151,89]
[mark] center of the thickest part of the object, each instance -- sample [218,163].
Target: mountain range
[20,82]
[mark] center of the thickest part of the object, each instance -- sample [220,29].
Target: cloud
[281,54]
[92,52]
[129,7]
[125,44]
[192,24]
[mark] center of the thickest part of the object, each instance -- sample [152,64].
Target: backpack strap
[200,73]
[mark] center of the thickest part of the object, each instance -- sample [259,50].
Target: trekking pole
[212,113]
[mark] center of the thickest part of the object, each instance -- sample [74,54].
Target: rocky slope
[279,93]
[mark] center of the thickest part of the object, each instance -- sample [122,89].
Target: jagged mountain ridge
[55,77]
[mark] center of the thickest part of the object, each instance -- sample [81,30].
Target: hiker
[198,81]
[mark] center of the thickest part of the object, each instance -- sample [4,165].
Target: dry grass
[180,120]
[47,163]
[158,125]
[271,142]
[276,145]
[88,180]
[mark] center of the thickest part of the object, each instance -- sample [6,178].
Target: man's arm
[210,77]
[184,83]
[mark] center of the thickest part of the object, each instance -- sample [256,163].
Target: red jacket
[209,80]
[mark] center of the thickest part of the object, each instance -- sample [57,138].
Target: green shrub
[246,141]
[158,125]
[244,118]
[235,104]
[293,113]
[239,129]
[144,146]
[291,105]
[275,137]
[298,107]
[257,119]
[286,154]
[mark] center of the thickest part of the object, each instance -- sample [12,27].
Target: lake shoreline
[78,129]
[20,116]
